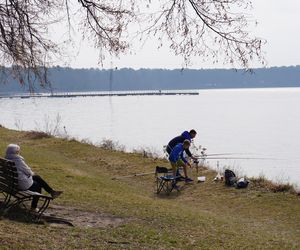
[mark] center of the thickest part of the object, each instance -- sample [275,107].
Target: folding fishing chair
[165,181]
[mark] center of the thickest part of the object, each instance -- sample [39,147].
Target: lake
[251,123]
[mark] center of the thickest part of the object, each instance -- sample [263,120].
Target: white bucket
[201,178]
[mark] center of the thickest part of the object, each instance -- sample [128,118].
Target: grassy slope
[204,216]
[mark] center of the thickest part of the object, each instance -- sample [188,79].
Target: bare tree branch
[214,29]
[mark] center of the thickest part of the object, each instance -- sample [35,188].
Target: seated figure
[27,179]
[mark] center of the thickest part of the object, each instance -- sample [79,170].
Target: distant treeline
[65,79]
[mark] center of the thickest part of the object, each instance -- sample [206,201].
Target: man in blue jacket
[179,139]
[177,159]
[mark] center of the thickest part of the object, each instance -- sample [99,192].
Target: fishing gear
[132,175]
[238,158]
[223,154]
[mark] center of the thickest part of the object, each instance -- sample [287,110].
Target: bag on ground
[230,178]
[242,183]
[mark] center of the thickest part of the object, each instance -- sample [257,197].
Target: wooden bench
[14,197]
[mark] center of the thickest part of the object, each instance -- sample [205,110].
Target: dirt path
[68,216]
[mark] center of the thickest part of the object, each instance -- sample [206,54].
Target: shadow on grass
[174,194]
[24,215]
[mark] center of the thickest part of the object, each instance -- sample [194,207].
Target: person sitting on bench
[28,180]
[177,159]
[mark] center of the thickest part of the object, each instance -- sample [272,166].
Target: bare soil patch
[64,216]
[68,216]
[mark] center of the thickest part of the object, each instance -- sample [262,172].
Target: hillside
[127,214]
[70,80]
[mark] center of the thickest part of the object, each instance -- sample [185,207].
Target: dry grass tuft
[112,145]
[146,152]
[262,183]
[37,135]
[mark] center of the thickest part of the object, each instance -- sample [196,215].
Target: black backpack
[230,178]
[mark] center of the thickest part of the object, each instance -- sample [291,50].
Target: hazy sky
[279,24]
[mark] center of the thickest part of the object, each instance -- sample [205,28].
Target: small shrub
[281,188]
[52,126]
[262,182]
[84,141]
[147,152]
[111,145]
[37,135]
[72,139]
[18,124]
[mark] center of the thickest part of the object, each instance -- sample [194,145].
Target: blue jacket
[186,135]
[177,153]
[179,139]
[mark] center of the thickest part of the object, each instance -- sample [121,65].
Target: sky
[278,23]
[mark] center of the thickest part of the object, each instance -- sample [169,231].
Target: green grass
[202,216]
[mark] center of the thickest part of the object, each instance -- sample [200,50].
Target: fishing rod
[207,155]
[203,152]
[132,175]
[217,156]
[238,158]
[220,154]
[226,154]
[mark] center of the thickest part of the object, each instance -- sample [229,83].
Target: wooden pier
[94,94]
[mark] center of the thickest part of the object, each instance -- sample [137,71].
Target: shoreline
[205,215]
[260,182]
[190,91]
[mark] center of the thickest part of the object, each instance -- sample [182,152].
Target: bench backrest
[8,176]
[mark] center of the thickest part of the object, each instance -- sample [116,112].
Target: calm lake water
[256,123]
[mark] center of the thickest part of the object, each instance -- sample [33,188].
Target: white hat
[12,149]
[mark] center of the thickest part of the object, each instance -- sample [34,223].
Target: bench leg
[6,201]
[20,201]
[42,209]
